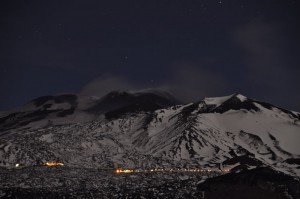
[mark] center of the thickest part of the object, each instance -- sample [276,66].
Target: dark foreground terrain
[64,182]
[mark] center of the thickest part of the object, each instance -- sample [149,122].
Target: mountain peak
[115,93]
[217,101]
[240,97]
[137,93]
[118,103]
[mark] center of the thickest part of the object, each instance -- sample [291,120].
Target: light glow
[124,171]
[119,171]
[53,164]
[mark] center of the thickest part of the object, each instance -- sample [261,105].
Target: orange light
[53,164]
[124,171]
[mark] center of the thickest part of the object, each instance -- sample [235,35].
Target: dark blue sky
[192,48]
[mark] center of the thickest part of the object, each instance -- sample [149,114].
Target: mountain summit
[70,108]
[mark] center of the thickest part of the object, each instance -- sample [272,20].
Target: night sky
[191,48]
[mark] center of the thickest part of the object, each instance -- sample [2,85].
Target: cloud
[186,81]
[190,82]
[105,84]
[266,54]
[262,47]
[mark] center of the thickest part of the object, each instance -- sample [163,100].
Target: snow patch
[47,138]
[216,100]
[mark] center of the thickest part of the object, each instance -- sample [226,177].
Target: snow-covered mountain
[70,108]
[151,129]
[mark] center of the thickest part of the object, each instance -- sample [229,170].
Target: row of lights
[125,171]
[118,171]
[54,164]
[49,164]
